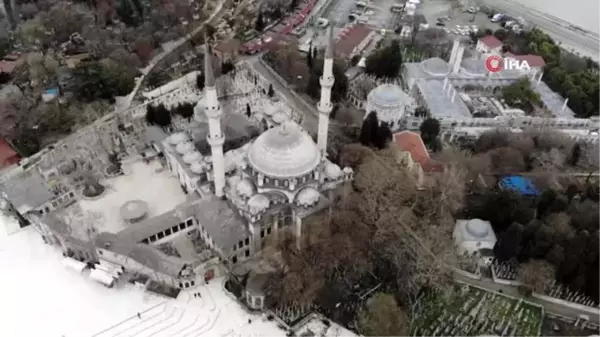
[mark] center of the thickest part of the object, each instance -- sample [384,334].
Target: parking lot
[434,9]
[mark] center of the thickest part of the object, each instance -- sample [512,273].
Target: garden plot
[473,311]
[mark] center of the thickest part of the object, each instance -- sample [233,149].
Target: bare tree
[383,317]
[536,274]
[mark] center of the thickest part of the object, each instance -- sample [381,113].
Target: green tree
[430,130]
[248,111]
[521,95]
[200,81]
[309,55]
[383,317]
[126,13]
[385,62]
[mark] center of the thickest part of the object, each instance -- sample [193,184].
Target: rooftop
[350,38]
[150,183]
[27,190]
[519,184]
[491,41]
[412,143]
[8,156]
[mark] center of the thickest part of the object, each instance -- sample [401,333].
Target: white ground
[148,182]
[44,298]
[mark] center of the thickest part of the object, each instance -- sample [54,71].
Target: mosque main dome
[285,151]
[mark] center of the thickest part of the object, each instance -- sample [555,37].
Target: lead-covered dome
[477,228]
[435,66]
[285,151]
[388,95]
[308,197]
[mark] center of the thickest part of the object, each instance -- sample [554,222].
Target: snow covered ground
[47,299]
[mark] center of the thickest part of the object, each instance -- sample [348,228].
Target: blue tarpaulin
[519,184]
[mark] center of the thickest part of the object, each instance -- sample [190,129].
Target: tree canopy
[383,317]
[385,62]
[521,95]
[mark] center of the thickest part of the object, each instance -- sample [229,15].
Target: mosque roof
[284,151]
[388,95]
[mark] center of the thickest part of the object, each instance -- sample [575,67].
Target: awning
[102,277]
[78,266]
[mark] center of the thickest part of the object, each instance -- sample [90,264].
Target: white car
[447,30]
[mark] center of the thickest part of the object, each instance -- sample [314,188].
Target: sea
[583,13]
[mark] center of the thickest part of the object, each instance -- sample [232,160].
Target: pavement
[550,307]
[570,37]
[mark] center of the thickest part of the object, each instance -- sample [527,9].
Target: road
[512,291]
[171,46]
[586,43]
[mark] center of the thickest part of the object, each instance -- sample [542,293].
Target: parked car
[440,24]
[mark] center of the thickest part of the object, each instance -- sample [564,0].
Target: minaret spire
[215,137]
[209,76]
[324,106]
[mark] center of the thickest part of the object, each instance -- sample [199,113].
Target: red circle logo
[494,63]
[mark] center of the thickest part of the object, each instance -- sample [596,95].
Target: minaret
[324,106]
[213,111]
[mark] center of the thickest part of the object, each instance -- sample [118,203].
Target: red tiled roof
[412,143]
[535,61]
[491,41]
[350,38]
[8,156]
[7,66]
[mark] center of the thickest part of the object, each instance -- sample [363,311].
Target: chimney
[455,46]
[458,60]
[564,105]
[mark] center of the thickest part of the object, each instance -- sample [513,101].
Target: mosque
[240,187]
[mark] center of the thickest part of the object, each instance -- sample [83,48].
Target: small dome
[388,95]
[245,188]
[191,157]
[177,138]
[332,171]
[348,170]
[199,114]
[435,66]
[185,147]
[279,118]
[307,197]
[197,167]
[270,109]
[474,67]
[258,203]
[208,159]
[284,151]
[477,228]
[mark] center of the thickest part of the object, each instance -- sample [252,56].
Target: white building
[489,45]
[390,103]
[443,88]
[471,236]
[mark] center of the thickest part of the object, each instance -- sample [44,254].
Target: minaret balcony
[325,107]
[215,140]
[326,82]
[213,111]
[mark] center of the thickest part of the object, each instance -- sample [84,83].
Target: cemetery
[472,311]
[504,271]
[561,292]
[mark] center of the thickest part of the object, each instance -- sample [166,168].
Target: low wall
[173,85]
[467,274]
[554,300]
